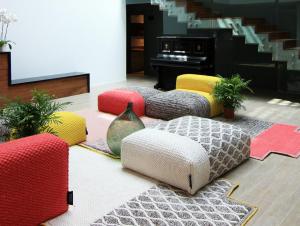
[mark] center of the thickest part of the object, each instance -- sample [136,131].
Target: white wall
[61,36]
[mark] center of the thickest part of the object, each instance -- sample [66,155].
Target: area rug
[98,123]
[97,126]
[163,205]
[253,126]
[280,139]
[267,137]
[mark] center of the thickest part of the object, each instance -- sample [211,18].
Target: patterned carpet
[253,126]
[99,145]
[163,205]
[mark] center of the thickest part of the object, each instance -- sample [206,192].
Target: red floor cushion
[116,101]
[33,180]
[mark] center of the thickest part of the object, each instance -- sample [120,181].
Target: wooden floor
[273,185]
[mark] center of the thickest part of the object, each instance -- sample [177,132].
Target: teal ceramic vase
[125,124]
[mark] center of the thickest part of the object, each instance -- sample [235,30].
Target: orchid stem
[6,31]
[2,30]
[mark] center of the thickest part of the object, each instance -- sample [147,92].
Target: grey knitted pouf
[145,92]
[175,103]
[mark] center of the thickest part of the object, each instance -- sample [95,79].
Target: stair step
[288,43]
[253,21]
[187,2]
[296,48]
[265,28]
[275,35]
[216,16]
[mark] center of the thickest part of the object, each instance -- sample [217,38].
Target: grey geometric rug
[253,126]
[163,205]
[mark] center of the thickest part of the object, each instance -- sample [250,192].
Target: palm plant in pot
[228,91]
[29,118]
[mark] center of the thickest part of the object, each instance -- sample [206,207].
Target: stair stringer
[262,40]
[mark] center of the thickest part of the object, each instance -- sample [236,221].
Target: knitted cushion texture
[202,85]
[167,157]
[33,180]
[173,104]
[72,129]
[189,148]
[116,101]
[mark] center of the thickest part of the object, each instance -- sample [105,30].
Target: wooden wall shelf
[61,85]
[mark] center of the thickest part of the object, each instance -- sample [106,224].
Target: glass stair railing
[291,56]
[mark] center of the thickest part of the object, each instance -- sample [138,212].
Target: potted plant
[228,91]
[29,118]
[6,18]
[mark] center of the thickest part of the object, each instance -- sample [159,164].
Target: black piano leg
[157,86]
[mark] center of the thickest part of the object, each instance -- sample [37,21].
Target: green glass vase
[125,124]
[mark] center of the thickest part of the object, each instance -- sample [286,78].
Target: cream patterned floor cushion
[173,159]
[187,152]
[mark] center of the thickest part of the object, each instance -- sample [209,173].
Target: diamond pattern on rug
[163,205]
[227,145]
[253,126]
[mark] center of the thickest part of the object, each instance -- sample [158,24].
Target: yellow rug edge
[234,187]
[94,150]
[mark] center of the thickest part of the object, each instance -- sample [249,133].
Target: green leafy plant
[30,118]
[229,91]
[6,42]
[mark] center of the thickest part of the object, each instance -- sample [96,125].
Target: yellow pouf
[203,85]
[72,129]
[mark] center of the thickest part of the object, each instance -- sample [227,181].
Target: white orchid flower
[6,18]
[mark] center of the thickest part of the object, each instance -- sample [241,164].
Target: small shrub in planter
[229,92]
[24,119]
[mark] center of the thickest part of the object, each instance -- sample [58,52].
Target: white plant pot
[4,48]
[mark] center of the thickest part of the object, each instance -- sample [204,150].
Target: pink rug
[97,126]
[279,138]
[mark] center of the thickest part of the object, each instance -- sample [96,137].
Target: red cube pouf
[116,101]
[33,180]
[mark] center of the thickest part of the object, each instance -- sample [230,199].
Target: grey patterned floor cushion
[175,103]
[145,92]
[226,145]
[188,152]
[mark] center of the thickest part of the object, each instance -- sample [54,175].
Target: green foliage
[30,118]
[229,91]
[6,42]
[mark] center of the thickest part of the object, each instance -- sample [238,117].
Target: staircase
[264,38]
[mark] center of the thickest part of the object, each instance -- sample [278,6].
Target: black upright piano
[182,55]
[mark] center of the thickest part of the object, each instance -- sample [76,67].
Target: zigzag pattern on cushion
[227,146]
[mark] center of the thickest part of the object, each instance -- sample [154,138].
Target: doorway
[144,25]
